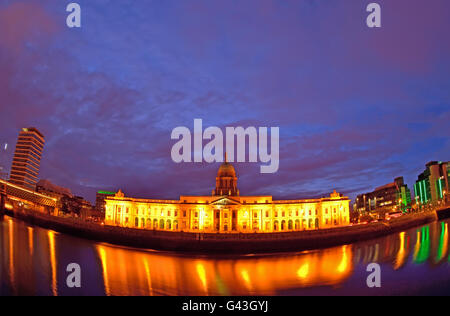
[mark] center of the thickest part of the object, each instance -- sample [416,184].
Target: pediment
[225,201]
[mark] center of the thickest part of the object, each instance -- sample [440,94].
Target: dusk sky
[356,107]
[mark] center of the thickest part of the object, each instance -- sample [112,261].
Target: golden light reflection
[53,262]
[102,254]
[303,271]
[245,276]
[344,262]
[30,240]
[148,276]
[129,272]
[402,253]
[11,251]
[202,275]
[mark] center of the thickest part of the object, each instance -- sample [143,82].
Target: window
[184,213]
[136,222]
[176,213]
[296,213]
[255,215]
[276,214]
[283,214]
[168,213]
[196,214]
[310,213]
[267,214]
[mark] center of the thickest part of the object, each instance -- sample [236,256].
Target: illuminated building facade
[433,184]
[225,211]
[27,158]
[395,195]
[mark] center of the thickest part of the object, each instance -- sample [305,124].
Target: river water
[33,261]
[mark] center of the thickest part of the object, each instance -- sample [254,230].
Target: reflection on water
[33,261]
[149,274]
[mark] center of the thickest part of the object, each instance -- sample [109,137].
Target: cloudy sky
[356,106]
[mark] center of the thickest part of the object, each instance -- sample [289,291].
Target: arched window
[149,223]
[275,226]
[290,224]
[143,222]
[175,225]
[297,224]
[136,222]
[283,225]
[317,223]
[161,224]
[169,225]
[155,224]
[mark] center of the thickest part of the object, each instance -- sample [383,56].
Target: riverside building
[385,199]
[226,211]
[433,184]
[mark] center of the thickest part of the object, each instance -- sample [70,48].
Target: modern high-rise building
[27,158]
[432,185]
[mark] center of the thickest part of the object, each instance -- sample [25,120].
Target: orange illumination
[11,251]
[103,259]
[202,275]
[30,240]
[402,254]
[343,265]
[51,243]
[303,271]
[161,274]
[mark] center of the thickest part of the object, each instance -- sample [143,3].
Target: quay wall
[209,243]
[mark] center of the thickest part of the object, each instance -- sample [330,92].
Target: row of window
[277,226]
[255,214]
